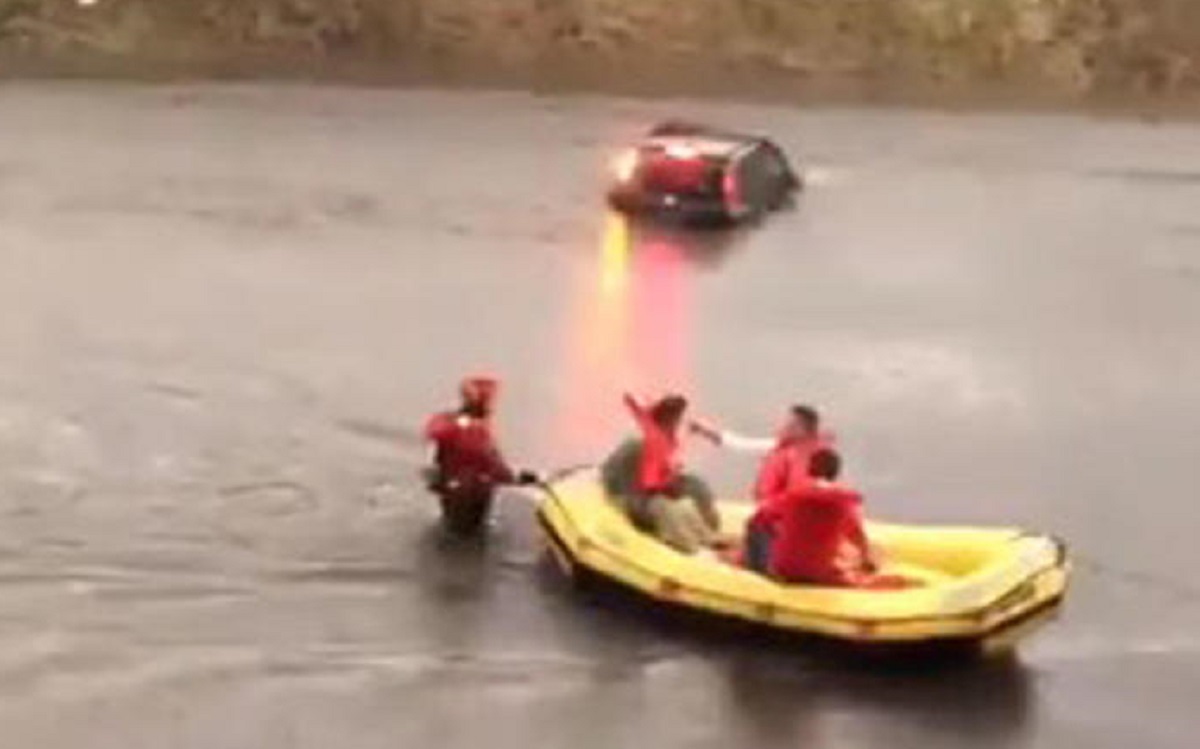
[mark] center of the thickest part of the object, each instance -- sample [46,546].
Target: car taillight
[732,190]
[674,175]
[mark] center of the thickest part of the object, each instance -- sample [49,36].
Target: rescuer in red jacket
[467,463]
[464,448]
[787,463]
[818,533]
[785,466]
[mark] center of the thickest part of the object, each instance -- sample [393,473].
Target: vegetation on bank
[1063,46]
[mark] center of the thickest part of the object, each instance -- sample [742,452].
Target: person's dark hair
[807,416]
[668,411]
[825,464]
[476,409]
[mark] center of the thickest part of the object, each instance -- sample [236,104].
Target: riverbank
[1124,54]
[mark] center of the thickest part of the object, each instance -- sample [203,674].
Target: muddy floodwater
[225,311]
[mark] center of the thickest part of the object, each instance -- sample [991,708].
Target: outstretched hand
[528,478]
[705,430]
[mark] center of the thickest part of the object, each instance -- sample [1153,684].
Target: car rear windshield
[681,176]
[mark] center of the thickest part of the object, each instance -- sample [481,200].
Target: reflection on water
[765,689]
[615,247]
[704,249]
[630,326]
[776,699]
[659,336]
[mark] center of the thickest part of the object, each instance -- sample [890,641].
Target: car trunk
[685,177]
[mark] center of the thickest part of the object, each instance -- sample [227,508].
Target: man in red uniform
[464,449]
[787,464]
[784,467]
[819,537]
[467,463]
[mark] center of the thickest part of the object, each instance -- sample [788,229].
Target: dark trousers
[756,552]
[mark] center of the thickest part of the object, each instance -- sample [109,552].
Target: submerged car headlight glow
[625,165]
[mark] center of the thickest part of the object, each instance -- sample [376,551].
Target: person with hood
[467,464]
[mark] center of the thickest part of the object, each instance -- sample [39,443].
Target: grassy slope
[1062,47]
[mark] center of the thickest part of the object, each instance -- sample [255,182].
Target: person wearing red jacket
[819,538]
[647,477]
[785,466]
[467,463]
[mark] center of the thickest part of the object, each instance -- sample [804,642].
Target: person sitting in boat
[819,536]
[645,475]
[785,466]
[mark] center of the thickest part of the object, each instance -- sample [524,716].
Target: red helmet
[479,389]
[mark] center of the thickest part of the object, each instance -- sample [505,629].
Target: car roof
[710,145]
[708,141]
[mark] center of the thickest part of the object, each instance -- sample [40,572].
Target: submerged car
[700,175]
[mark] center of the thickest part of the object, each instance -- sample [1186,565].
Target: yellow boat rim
[987,586]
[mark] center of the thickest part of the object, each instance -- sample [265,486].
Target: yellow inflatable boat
[985,588]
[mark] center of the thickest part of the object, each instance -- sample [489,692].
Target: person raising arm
[676,506]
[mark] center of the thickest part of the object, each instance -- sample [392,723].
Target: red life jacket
[813,525]
[660,448]
[783,470]
[786,466]
[465,450]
